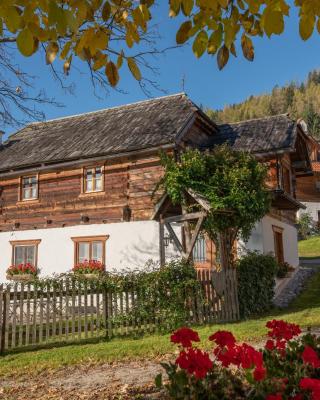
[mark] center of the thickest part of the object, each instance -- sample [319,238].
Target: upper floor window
[29,187]
[93,179]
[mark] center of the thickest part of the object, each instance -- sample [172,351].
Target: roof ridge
[254,119]
[109,108]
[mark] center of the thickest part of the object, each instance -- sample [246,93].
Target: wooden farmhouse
[81,187]
[308,189]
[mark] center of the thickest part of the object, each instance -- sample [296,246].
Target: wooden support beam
[194,236]
[175,238]
[185,217]
[161,243]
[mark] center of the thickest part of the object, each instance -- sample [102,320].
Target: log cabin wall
[307,188]
[61,202]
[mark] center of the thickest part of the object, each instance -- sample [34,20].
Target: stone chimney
[1,135]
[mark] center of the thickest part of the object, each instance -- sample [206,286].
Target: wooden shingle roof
[263,135]
[126,128]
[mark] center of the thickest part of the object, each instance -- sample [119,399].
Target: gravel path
[132,380]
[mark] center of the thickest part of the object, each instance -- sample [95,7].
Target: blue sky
[278,61]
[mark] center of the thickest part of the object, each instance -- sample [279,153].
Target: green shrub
[256,281]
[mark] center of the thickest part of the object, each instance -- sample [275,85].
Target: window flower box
[22,273]
[89,269]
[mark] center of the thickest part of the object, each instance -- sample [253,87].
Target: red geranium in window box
[22,272]
[89,268]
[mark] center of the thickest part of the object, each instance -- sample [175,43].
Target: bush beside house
[256,281]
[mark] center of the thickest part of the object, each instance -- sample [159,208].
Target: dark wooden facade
[127,195]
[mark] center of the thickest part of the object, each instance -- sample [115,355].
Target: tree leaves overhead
[103,33]
[226,21]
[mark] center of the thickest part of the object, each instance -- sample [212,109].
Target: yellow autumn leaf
[183,32]
[272,21]
[306,26]
[112,73]
[187,6]
[222,57]
[134,69]
[25,42]
[247,47]
[200,43]
[215,41]
[51,52]
[106,11]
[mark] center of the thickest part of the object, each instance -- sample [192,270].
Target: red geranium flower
[228,355]
[312,385]
[282,330]
[259,373]
[309,356]
[185,337]
[270,345]
[195,362]
[223,338]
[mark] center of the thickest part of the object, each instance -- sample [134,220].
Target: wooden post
[3,300]
[161,242]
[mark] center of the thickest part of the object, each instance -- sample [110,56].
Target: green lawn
[305,311]
[310,248]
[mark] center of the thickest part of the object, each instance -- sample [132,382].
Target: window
[199,250]
[93,180]
[29,187]
[25,251]
[89,248]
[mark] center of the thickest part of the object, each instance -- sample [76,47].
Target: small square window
[93,180]
[29,187]
[25,252]
[90,249]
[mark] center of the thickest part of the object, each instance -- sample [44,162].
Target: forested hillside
[300,100]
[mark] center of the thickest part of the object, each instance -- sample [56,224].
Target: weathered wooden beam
[194,236]
[161,243]
[185,217]
[175,238]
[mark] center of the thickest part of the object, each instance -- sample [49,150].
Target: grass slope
[310,248]
[305,311]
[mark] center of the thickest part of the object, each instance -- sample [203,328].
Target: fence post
[3,318]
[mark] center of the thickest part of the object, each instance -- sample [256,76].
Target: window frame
[90,240]
[84,180]
[21,191]
[25,243]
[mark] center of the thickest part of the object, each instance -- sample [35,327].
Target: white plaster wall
[130,245]
[290,239]
[312,209]
[262,240]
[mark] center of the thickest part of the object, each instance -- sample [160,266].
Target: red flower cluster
[312,385]
[223,338]
[244,356]
[253,365]
[280,332]
[195,361]
[22,269]
[88,267]
[185,337]
[309,356]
